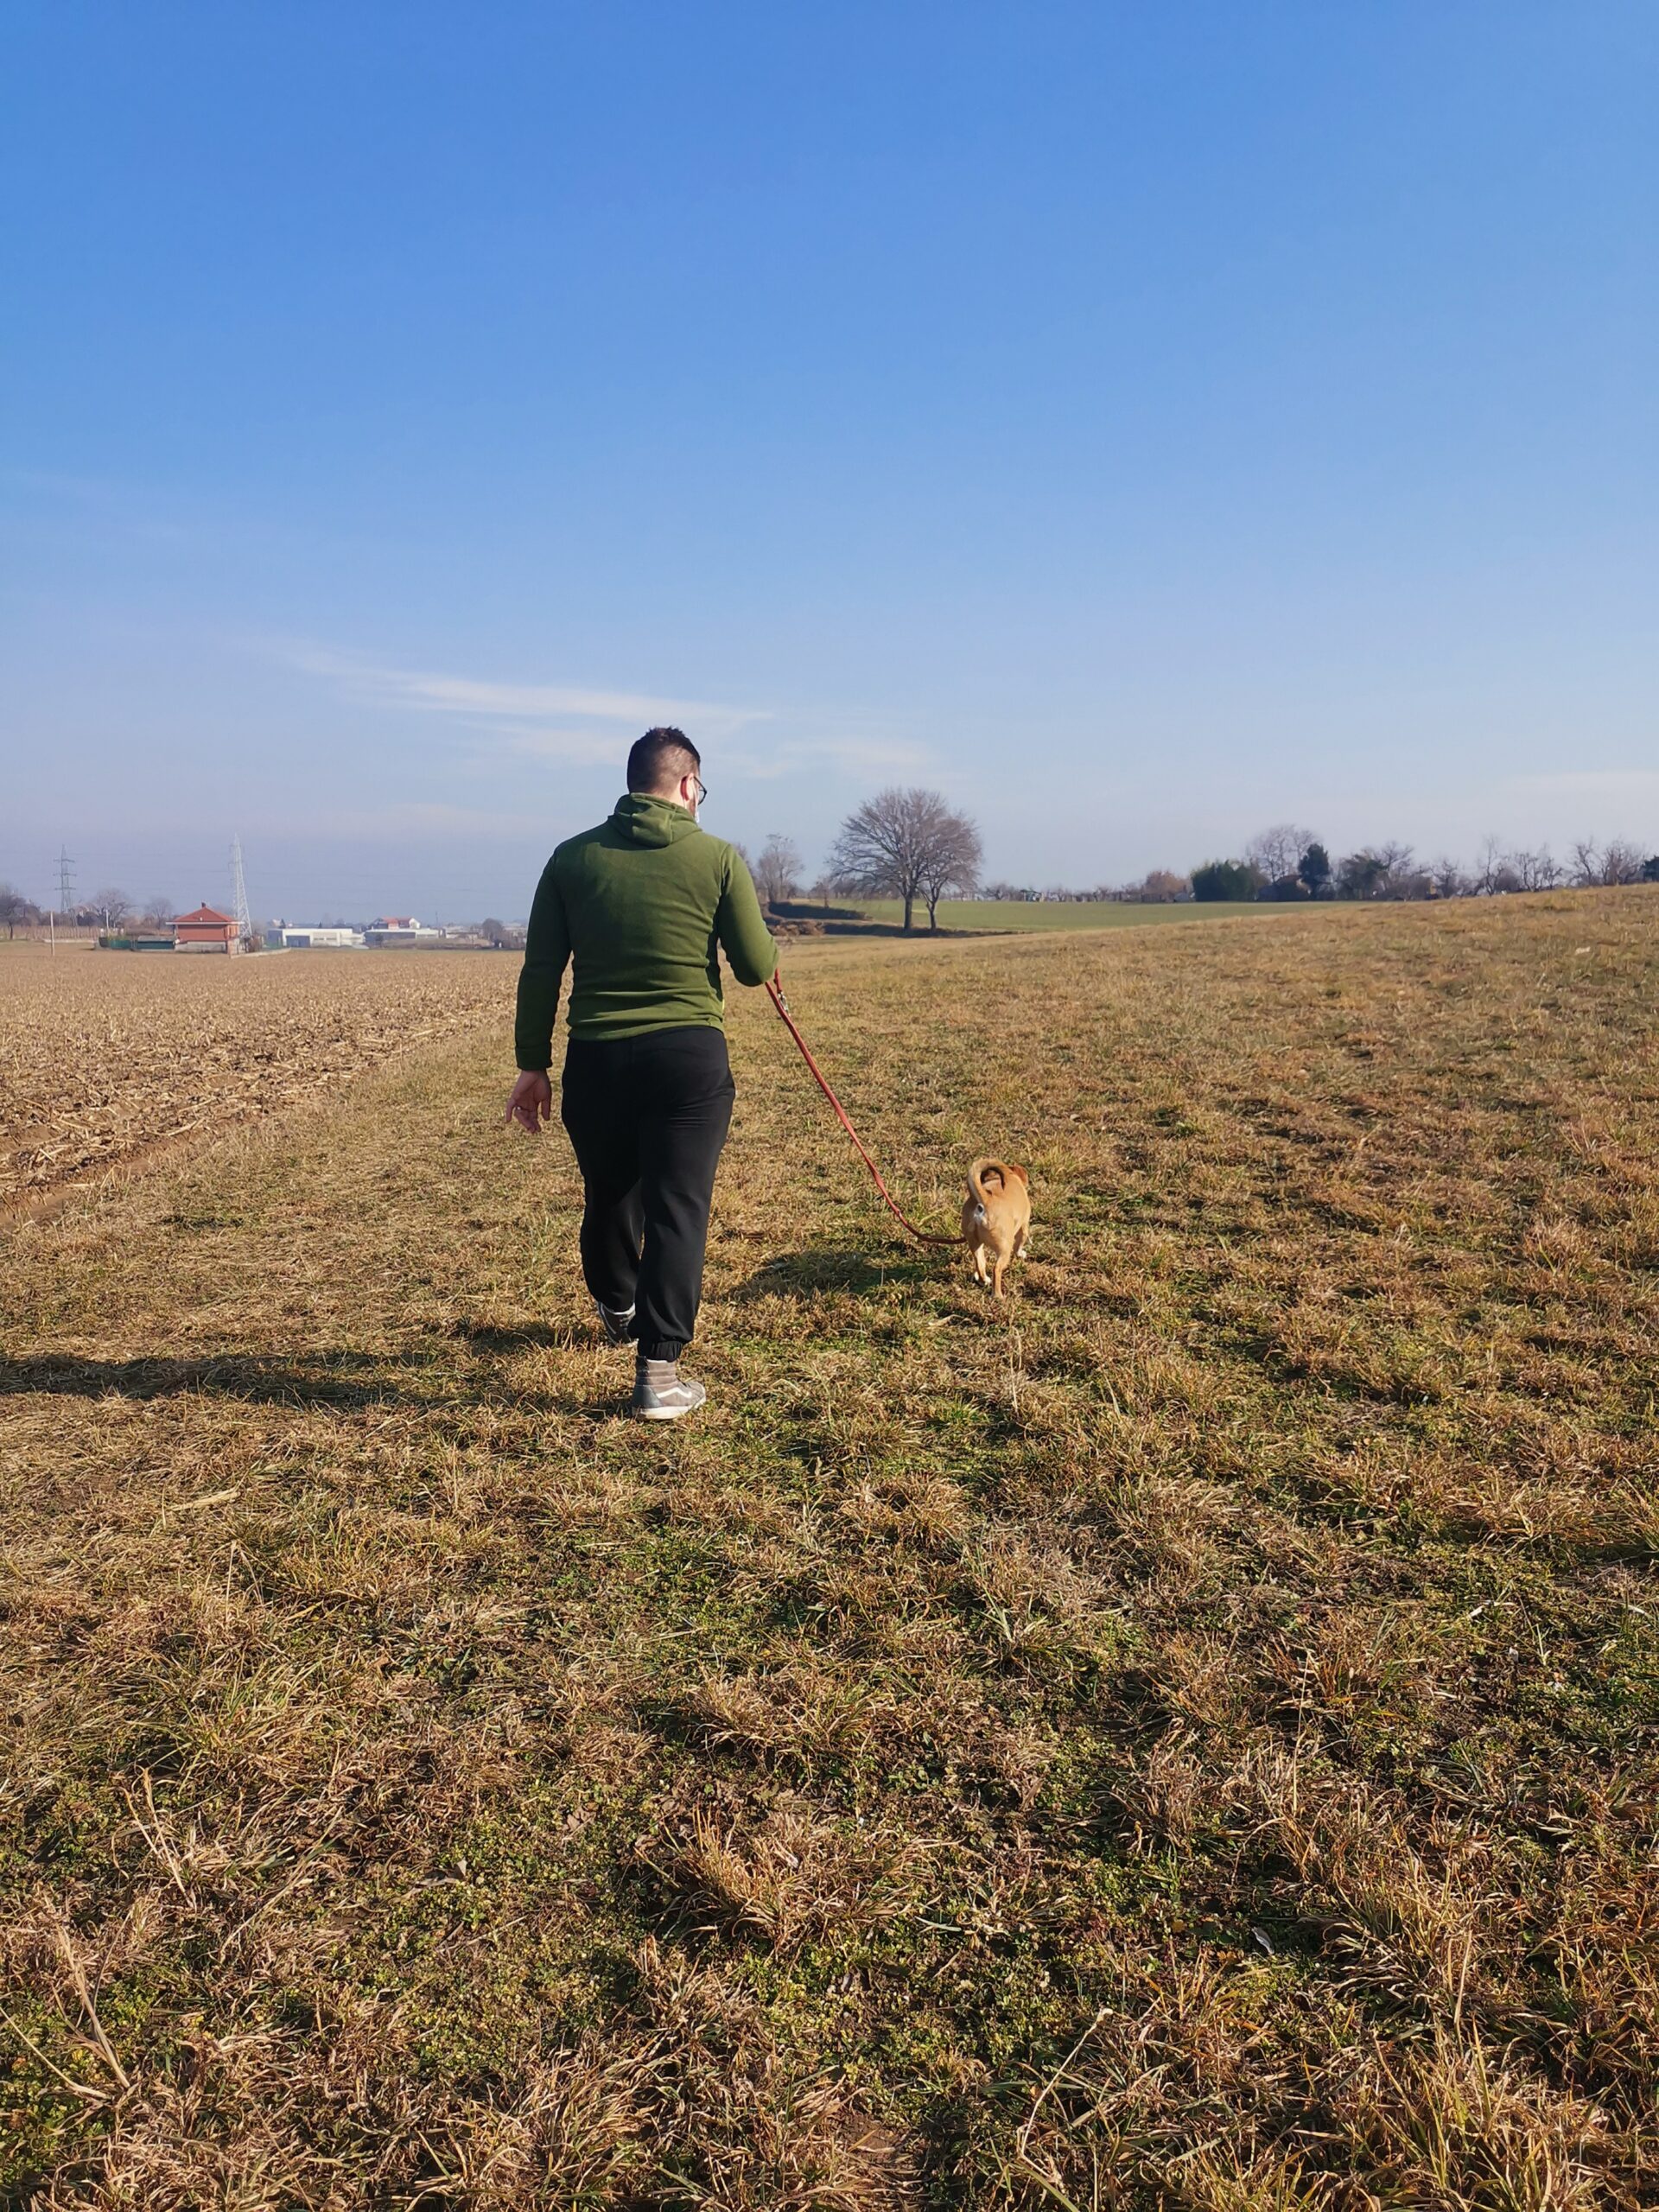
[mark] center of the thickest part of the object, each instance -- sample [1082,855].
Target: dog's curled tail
[998,1169]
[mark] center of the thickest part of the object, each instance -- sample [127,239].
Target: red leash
[775,992]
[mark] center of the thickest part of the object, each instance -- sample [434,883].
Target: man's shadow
[339,1380]
[808,1274]
[547,1336]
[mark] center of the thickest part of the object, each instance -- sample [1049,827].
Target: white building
[399,929]
[301,936]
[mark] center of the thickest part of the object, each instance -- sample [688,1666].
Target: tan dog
[996,1219]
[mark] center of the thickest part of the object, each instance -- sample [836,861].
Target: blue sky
[1142,422]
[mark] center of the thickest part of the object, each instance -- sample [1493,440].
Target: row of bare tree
[1288,862]
[106,910]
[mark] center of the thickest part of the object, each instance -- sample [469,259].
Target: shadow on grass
[347,1379]
[547,1336]
[847,921]
[792,1274]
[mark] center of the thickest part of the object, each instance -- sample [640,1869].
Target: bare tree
[114,905]
[1278,851]
[1449,880]
[1586,861]
[951,863]
[1538,871]
[778,872]
[1621,862]
[1398,869]
[160,911]
[13,908]
[890,848]
[1616,862]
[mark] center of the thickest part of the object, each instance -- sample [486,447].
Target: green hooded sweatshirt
[642,905]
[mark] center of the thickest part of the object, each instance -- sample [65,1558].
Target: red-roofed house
[205,931]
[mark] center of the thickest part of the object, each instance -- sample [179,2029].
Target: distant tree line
[911,846]
[105,909]
[1288,862]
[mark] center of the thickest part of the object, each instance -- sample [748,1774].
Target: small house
[205,931]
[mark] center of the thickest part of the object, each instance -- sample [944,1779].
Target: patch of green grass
[1051,914]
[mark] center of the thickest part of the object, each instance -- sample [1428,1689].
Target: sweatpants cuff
[669,1348]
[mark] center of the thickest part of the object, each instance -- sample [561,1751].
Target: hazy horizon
[1142,426]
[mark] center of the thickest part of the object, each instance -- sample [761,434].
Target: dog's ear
[1021,1173]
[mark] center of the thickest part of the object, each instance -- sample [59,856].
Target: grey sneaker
[662,1393]
[615,1326]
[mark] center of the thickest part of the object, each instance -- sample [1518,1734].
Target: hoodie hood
[645,821]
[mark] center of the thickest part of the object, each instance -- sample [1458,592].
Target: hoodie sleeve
[740,926]
[547,948]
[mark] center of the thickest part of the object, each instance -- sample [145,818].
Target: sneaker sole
[665,1413]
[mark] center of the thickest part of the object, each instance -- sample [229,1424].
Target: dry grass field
[106,1056]
[1187,1740]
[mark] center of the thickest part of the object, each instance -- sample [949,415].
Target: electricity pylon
[240,894]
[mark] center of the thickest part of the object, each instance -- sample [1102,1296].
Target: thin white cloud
[555,722]
[486,699]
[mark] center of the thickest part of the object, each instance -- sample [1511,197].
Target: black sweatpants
[648,1117]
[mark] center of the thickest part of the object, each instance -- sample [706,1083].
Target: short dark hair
[660,757]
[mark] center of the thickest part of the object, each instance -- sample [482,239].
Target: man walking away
[641,908]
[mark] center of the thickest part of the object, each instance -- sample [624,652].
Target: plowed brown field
[104,1055]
